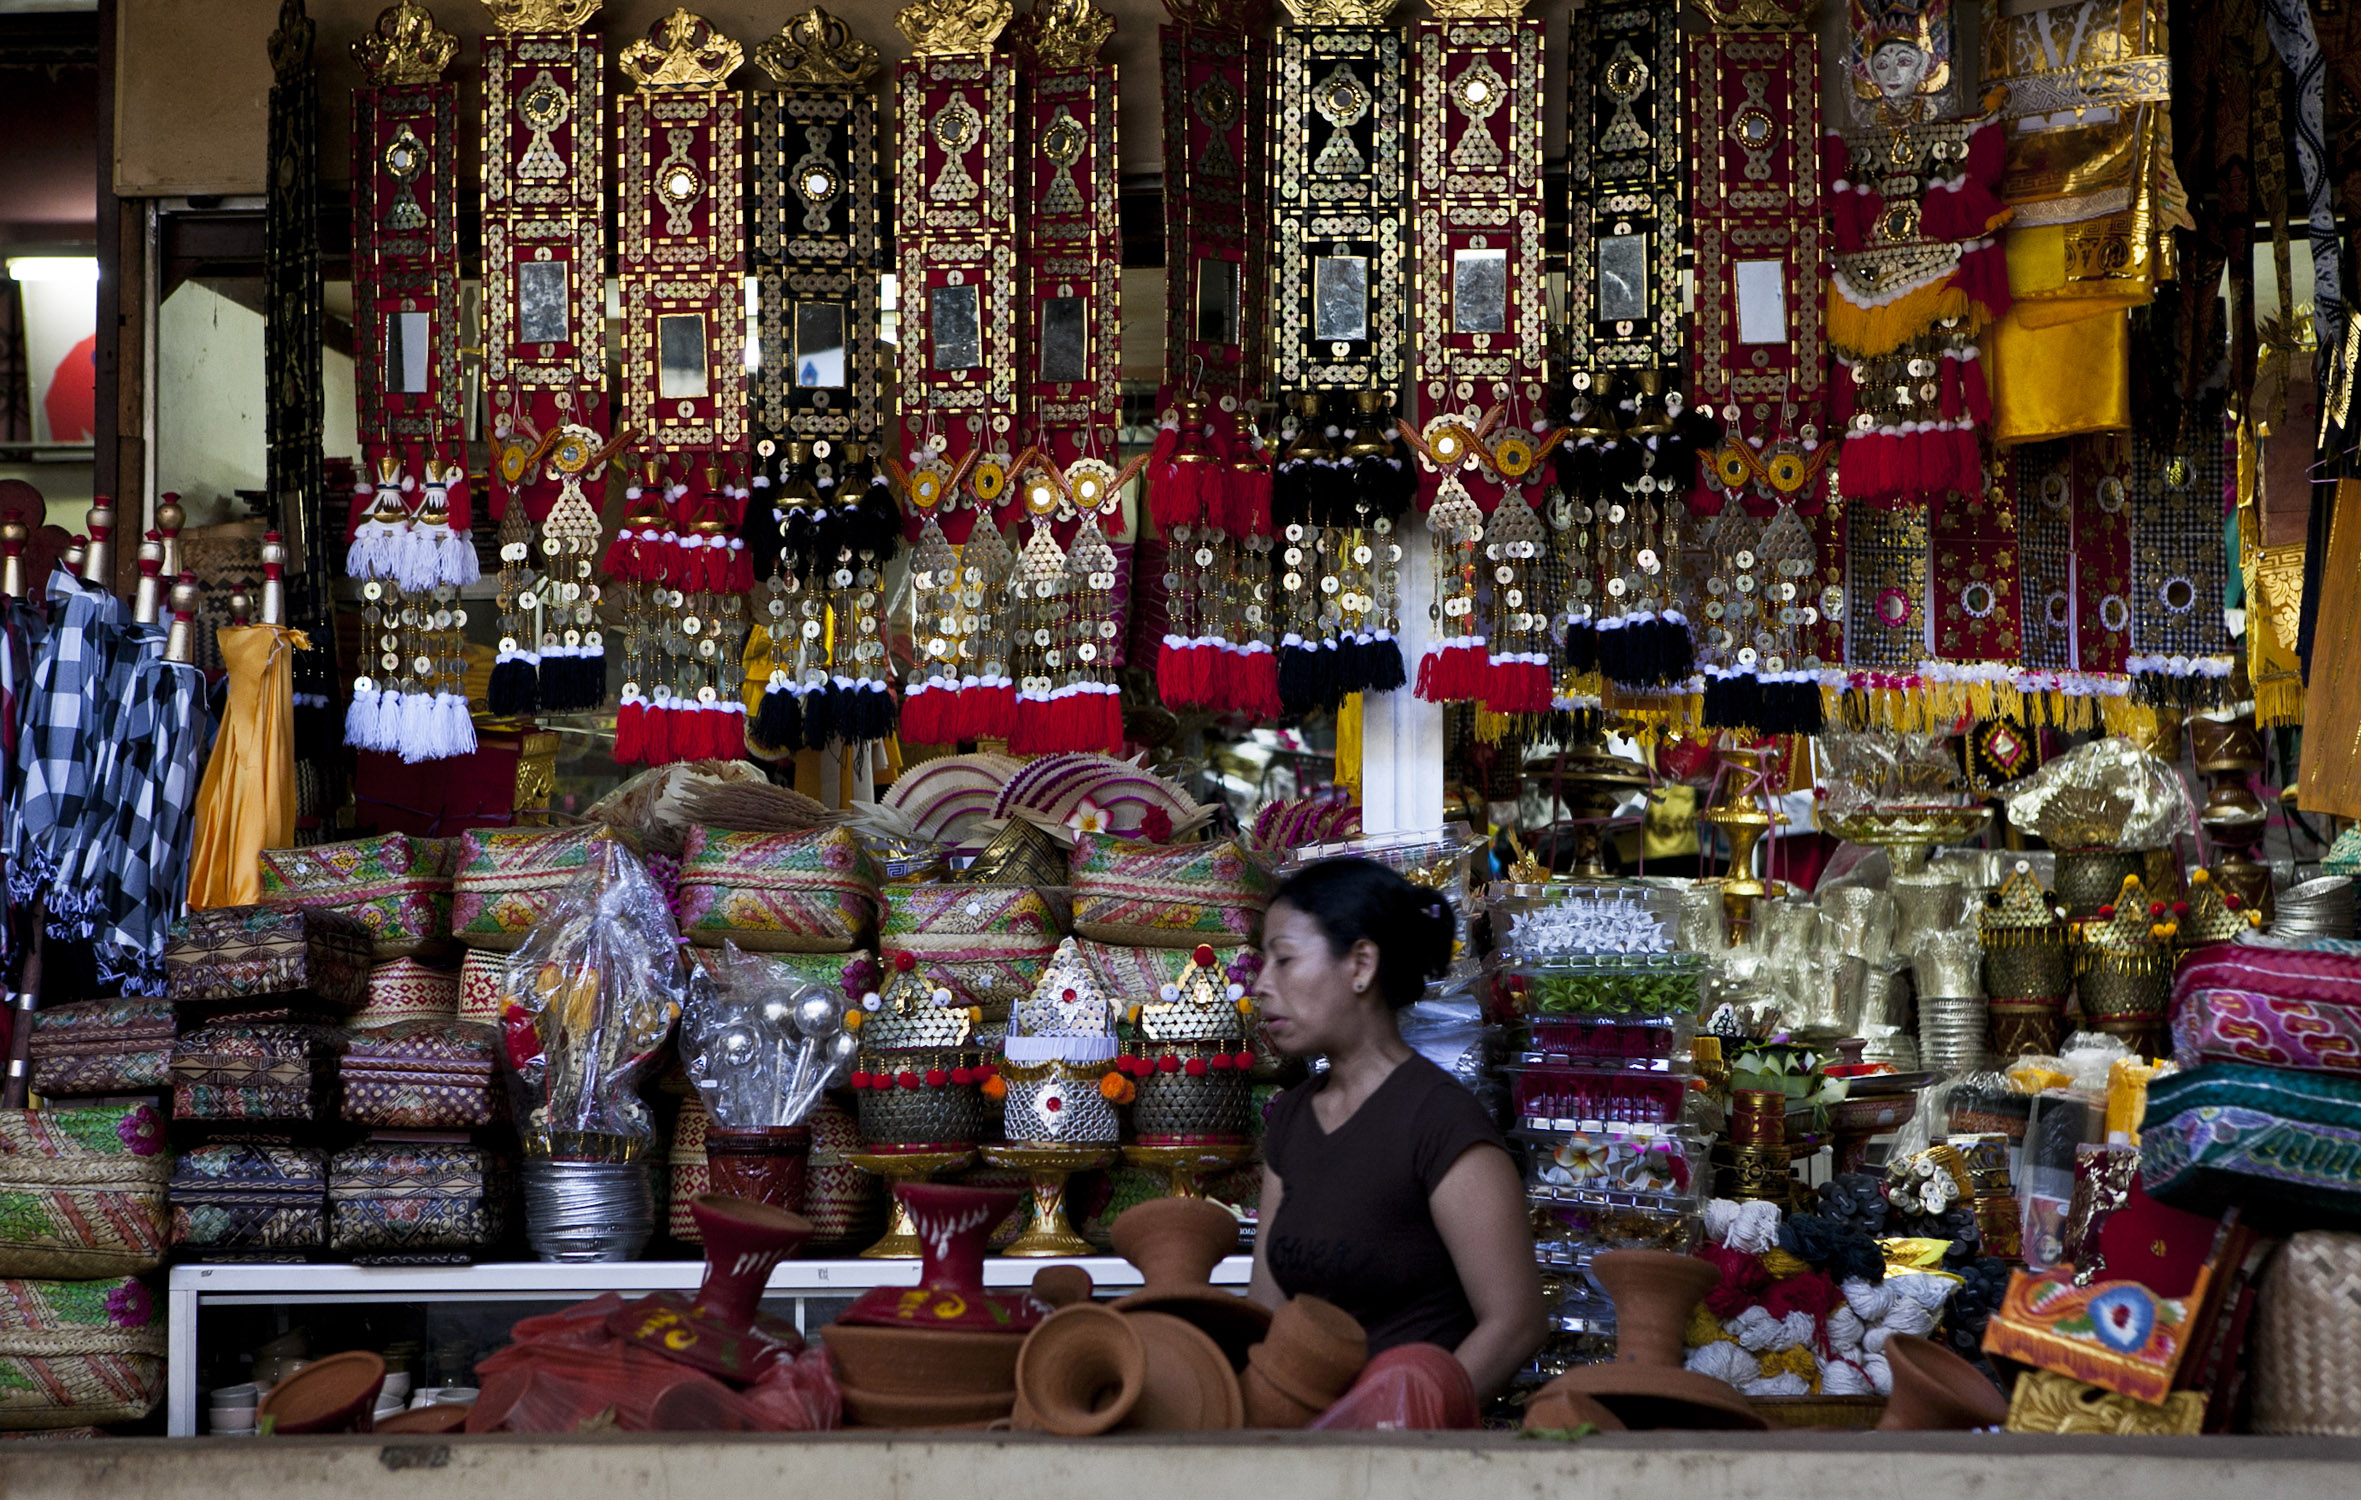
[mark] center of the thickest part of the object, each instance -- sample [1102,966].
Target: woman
[1387,1189]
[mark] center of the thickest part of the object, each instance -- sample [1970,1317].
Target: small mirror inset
[956,320]
[680,357]
[1065,339]
[819,345]
[1479,291]
[406,354]
[1340,298]
[543,302]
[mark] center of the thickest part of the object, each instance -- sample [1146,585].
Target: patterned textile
[1167,898]
[1974,580]
[81,1191]
[2298,45]
[61,720]
[143,854]
[238,1195]
[2180,568]
[2273,1138]
[2235,1026]
[75,900]
[2073,509]
[396,886]
[78,1352]
[777,892]
[2308,973]
[1886,579]
[103,1047]
[987,944]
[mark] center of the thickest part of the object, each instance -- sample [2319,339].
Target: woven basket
[2116,988]
[508,878]
[2087,879]
[846,1206]
[2019,968]
[812,892]
[2306,1353]
[480,984]
[1167,897]
[396,886]
[82,1191]
[2019,1027]
[987,944]
[76,1353]
[690,1175]
[1082,1116]
[1211,1103]
[924,1115]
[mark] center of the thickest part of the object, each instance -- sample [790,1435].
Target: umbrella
[145,847]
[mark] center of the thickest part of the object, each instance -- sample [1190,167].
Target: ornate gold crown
[2019,906]
[542,15]
[1341,12]
[1199,1006]
[406,47]
[682,51]
[1064,33]
[2133,924]
[933,27]
[2215,914]
[817,47]
[914,1012]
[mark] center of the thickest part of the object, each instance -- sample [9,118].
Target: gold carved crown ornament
[935,27]
[291,43]
[1341,12]
[682,51]
[1476,10]
[817,47]
[1065,33]
[406,47]
[542,15]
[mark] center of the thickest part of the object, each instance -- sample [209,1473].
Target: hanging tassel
[631,730]
[458,725]
[1383,665]
[514,690]
[1258,682]
[414,738]
[623,561]
[778,723]
[360,719]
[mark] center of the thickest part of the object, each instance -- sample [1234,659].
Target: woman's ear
[1360,963]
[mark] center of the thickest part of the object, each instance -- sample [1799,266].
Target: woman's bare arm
[1479,1209]
[1265,1288]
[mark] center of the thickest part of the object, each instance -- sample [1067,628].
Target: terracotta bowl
[432,1419]
[932,1362]
[1267,1405]
[1313,1352]
[878,1409]
[1645,1397]
[1937,1391]
[1061,1285]
[1555,1407]
[1189,1385]
[335,1394]
[1081,1372]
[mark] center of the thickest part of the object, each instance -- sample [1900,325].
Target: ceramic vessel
[336,1394]
[1062,1286]
[1311,1356]
[1081,1372]
[953,1225]
[903,1361]
[1269,1406]
[1937,1391]
[427,1419]
[1176,1243]
[940,1409]
[744,1243]
[1555,1408]
[1645,1386]
[1187,1385]
[766,1166]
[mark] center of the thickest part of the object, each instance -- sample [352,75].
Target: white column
[1401,735]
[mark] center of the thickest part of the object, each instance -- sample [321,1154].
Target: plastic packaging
[760,1051]
[586,1005]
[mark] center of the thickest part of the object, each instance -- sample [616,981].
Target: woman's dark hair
[1351,899]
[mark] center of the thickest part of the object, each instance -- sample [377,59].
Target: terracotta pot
[954,1224]
[1081,1372]
[1189,1385]
[1556,1408]
[1937,1391]
[1313,1352]
[1061,1286]
[879,1409]
[1269,1406]
[767,1166]
[430,1419]
[336,1394]
[744,1241]
[1645,1386]
[923,1361]
[1176,1243]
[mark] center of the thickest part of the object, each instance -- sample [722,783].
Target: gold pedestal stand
[1187,1164]
[1048,1166]
[901,1235]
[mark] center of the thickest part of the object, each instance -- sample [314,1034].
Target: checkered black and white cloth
[62,710]
[144,872]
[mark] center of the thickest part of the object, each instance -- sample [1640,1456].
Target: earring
[1362,988]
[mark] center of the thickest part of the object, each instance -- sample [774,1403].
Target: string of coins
[1755,673]
[1092,715]
[1038,655]
[702,636]
[636,565]
[515,687]
[858,706]
[1456,667]
[1516,549]
[1643,641]
[777,726]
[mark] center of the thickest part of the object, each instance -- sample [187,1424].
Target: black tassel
[876,527]
[1383,665]
[514,692]
[1582,645]
[823,716]
[1291,493]
[1295,691]
[778,720]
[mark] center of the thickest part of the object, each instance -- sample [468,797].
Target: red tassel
[1224,689]
[622,561]
[1258,684]
[1254,500]
[1110,736]
[1171,670]
[993,715]
[741,580]
[958,720]
[921,710]
[1025,734]
[631,737]
[1977,390]
[657,740]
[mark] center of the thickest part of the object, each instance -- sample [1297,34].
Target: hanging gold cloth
[247,801]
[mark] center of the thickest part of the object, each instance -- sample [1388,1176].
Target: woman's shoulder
[1445,1117]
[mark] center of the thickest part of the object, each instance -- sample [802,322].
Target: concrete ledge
[1298,1466]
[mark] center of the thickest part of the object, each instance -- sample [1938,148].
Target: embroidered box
[812,892]
[248,1196]
[508,878]
[421,1075]
[415,1201]
[397,886]
[256,1071]
[243,959]
[103,1047]
[1167,897]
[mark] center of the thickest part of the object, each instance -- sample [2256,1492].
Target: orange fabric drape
[247,801]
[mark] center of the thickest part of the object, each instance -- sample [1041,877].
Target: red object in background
[71,403]
[438,799]
[1408,1388]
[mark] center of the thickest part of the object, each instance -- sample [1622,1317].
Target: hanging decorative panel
[292,309]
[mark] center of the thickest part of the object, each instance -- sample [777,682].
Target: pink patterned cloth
[2281,973]
[2229,1025]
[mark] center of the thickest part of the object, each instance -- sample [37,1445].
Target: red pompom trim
[1195,1067]
[905,961]
[860,1080]
[906,1079]
[1204,955]
[936,1078]
[1168,1064]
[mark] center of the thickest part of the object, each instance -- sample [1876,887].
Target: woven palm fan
[1125,793]
[651,804]
[1021,853]
[945,798]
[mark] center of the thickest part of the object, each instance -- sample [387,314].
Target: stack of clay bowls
[944,1355]
[1311,1356]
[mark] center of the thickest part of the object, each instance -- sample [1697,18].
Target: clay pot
[1269,1406]
[1555,1408]
[1645,1386]
[879,1409]
[923,1361]
[1176,1243]
[427,1419]
[767,1166]
[1311,1355]
[744,1241]
[1937,1391]
[336,1394]
[1081,1372]
[1189,1385]
[954,1223]
[1062,1286]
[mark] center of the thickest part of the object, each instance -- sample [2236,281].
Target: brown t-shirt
[1354,1225]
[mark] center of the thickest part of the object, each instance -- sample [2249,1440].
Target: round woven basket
[2087,879]
[1177,1104]
[2141,988]
[2307,1344]
[920,1116]
[2022,970]
[846,1206]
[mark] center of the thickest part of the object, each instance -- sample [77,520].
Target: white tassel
[417,730]
[360,720]
[382,734]
[458,730]
[370,555]
[457,564]
[414,560]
